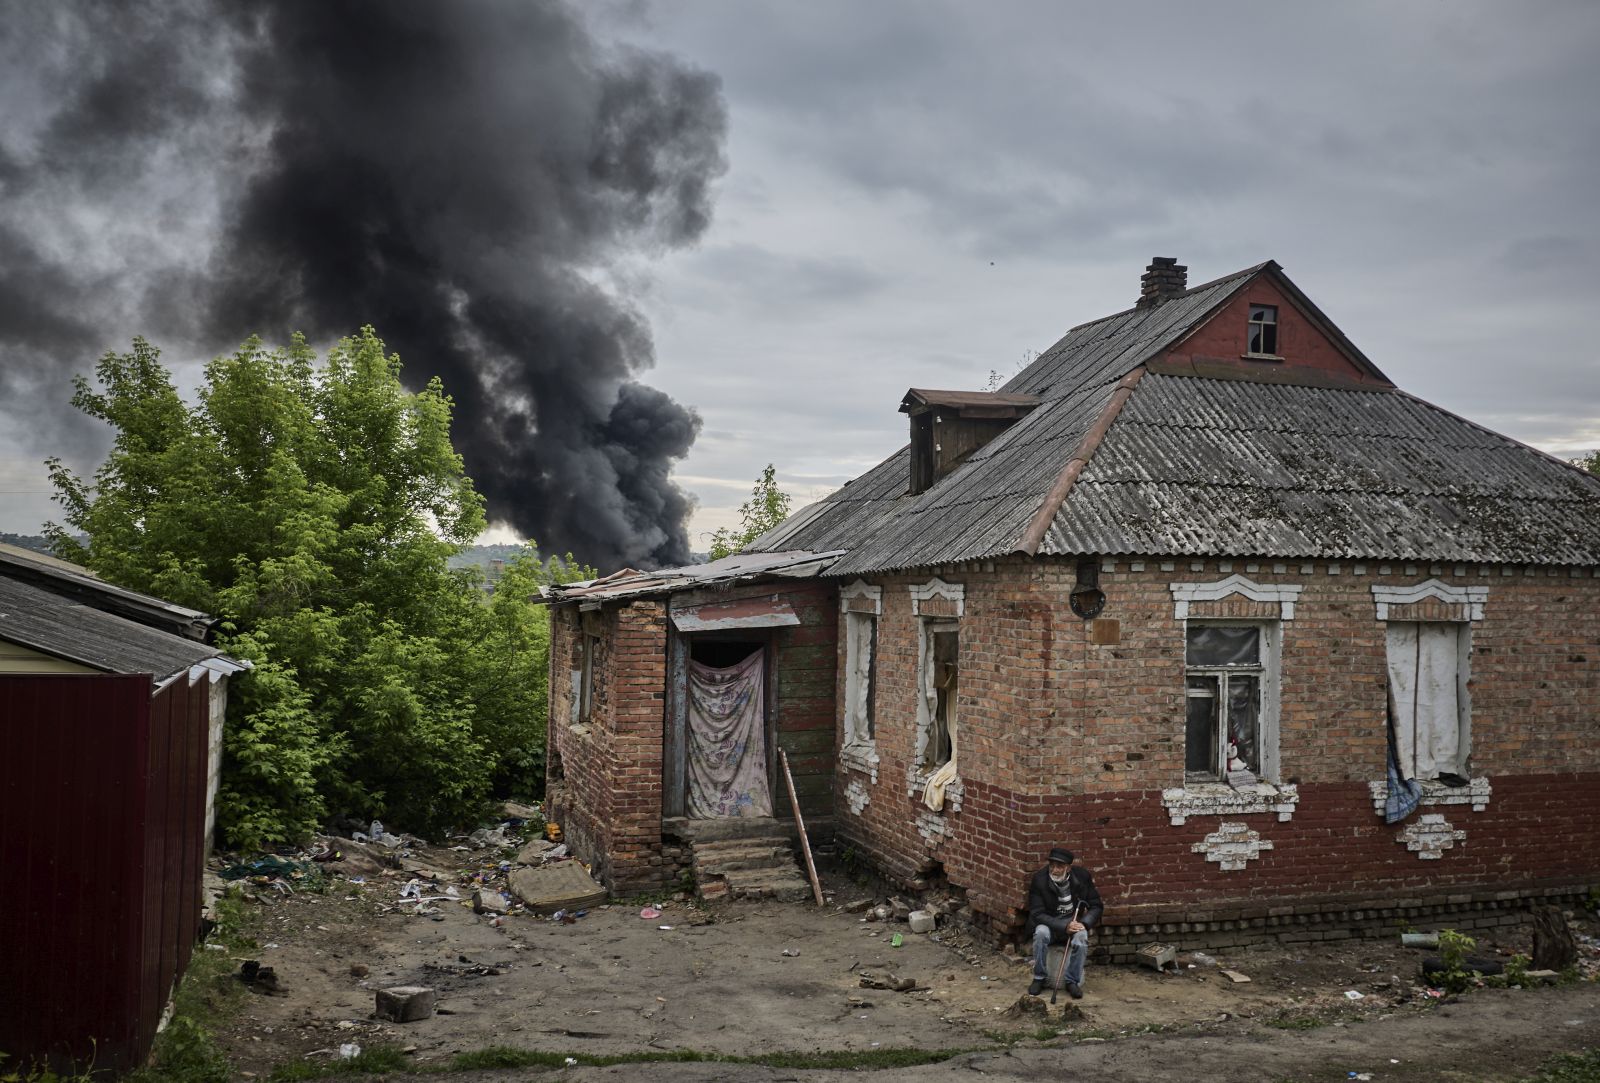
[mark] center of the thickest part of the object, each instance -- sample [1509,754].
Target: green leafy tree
[312,507]
[1590,462]
[767,507]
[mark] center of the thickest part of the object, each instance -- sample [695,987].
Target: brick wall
[608,798]
[606,783]
[1067,741]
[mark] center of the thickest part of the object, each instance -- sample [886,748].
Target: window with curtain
[1429,708]
[861,648]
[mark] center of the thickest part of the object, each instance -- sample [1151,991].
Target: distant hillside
[35,542]
[482,556]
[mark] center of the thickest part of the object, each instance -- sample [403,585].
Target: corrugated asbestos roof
[1196,466]
[1230,467]
[60,626]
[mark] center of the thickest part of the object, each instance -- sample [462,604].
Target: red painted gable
[1306,353]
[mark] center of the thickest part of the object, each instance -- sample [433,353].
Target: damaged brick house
[1276,647]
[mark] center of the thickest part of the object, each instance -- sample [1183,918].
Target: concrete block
[488,901]
[405,1003]
[921,921]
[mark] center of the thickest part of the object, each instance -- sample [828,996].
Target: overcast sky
[919,193]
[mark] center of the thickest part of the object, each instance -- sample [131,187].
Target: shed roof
[1122,459]
[73,581]
[629,583]
[65,628]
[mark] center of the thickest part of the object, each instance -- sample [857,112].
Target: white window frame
[1268,675]
[1253,324]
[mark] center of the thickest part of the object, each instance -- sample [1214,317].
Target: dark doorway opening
[721,653]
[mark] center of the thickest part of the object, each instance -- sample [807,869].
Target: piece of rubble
[922,921]
[1236,977]
[359,970]
[883,979]
[900,908]
[535,852]
[857,906]
[489,901]
[405,1003]
[1026,1005]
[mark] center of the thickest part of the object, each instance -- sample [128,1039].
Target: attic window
[1263,331]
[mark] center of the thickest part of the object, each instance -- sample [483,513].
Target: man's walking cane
[1066,951]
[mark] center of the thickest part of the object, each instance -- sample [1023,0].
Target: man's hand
[1077,927]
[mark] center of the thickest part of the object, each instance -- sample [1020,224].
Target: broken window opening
[590,645]
[940,681]
[1431,710]
[861,670]
[1263,339]
[1228,718]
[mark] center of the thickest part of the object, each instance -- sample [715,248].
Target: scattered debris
[884,979]
[1236,977]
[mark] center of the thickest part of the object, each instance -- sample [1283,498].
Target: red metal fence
[102,821]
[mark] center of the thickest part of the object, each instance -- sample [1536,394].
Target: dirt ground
[748,978]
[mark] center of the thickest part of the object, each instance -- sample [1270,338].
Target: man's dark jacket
[1043,898]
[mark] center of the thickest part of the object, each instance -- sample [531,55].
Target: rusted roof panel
[745,613]
[789,563]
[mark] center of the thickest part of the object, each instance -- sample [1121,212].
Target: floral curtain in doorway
[727,746]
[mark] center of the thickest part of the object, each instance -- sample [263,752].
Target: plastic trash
[649,913]
[1351,994]
[349,1050]
[1202,958]
[896,940]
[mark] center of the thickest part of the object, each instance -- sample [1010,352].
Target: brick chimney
[1162,280]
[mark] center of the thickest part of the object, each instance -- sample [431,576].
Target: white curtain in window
[1424,677]
[858,650]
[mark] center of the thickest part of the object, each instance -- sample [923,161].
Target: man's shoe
[1036,988]
[1074,990]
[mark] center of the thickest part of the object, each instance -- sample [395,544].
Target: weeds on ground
[1569,1068]
[37,1073]
[185,1052]
[1297,1022]
[1453,949]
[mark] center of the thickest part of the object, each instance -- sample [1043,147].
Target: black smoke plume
[469,177]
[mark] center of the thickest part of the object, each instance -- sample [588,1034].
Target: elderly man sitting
[1063,905]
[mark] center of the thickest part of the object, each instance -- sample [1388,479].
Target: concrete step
[755,860]
[783,885]
[735,827]
[724,858]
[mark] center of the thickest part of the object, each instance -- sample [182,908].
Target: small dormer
[948,426]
